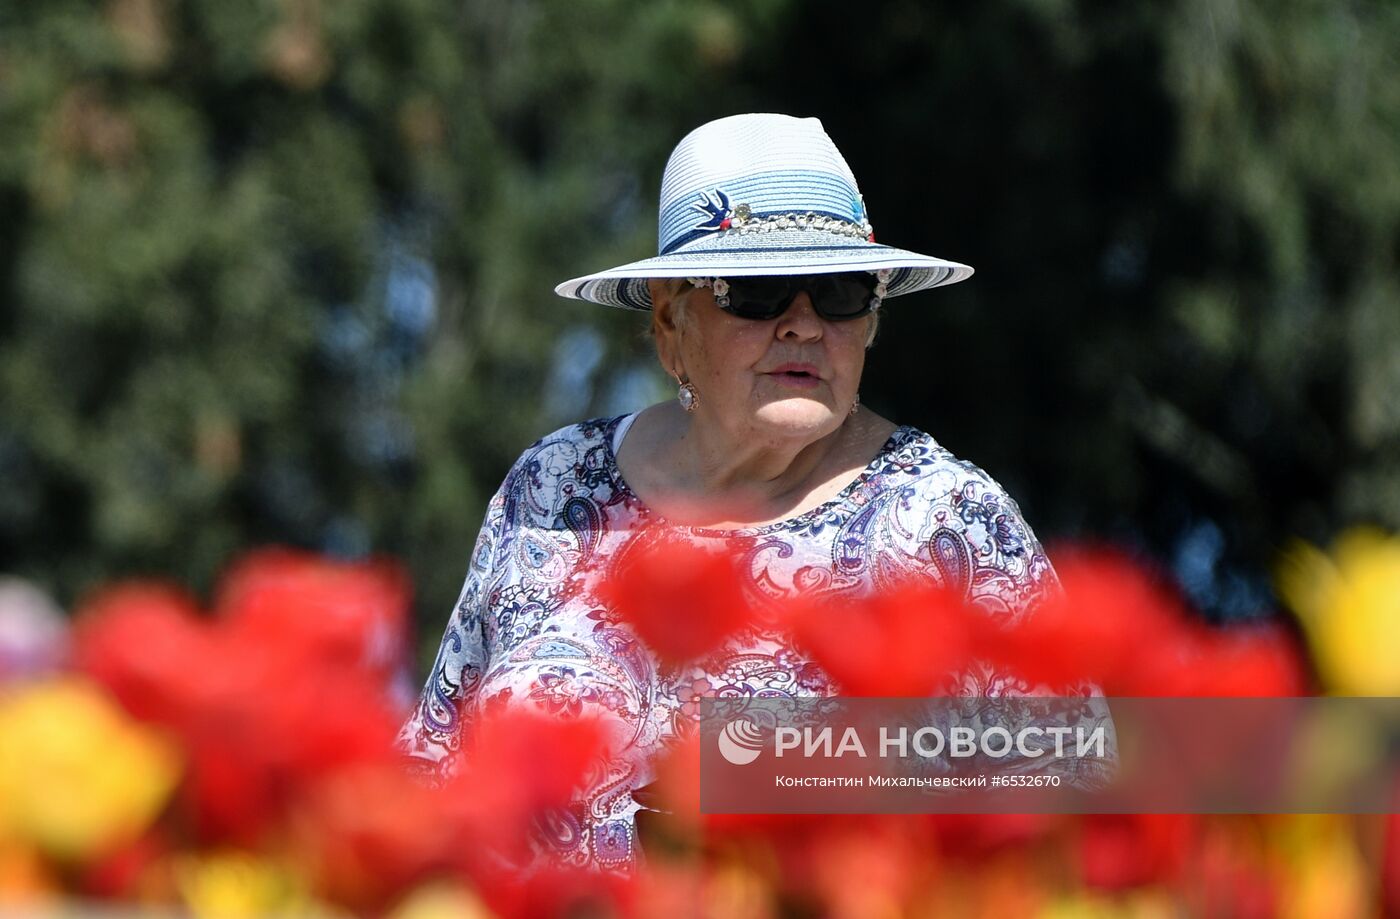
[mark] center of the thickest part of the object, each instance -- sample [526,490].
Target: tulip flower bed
[239,760]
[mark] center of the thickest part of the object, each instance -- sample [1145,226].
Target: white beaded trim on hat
[807,221]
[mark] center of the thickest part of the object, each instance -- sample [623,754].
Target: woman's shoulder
[568,441]
[575,459]
[586,433]
[954,514]
[929,474]
[915,457]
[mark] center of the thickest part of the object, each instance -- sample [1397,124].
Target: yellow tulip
[1349,606]
[1087,905]
[735,889]
[442,901]
[77,776]
[1326,876]
[241,885]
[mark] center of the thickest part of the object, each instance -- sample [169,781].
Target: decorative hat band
[723,219]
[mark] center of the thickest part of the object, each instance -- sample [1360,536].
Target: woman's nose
[800,319]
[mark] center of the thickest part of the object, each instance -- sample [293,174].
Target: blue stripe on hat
[785,192]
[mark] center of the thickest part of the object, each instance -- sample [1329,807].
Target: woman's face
[793,377]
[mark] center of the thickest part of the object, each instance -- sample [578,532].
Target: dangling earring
[686,395]
[856,404]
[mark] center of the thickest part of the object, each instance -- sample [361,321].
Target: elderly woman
[764,298]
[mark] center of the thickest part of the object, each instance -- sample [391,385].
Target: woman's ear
[872,328]
[663,302]
[665,320]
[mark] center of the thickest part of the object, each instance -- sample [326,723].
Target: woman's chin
[797,415]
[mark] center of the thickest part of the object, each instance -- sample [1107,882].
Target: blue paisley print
[528,626]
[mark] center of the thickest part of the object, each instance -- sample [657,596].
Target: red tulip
[147,643]
[1118,851]
[683,601]
[1110,622]
[130,872]
[519,764]
[368,834]
[554,891]
[978,836]
[1231,661]
[905,642]
[264,703]
[864,868]
[1229,875]
[346,615]
[1119,627]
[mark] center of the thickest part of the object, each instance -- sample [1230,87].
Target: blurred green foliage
[282,269]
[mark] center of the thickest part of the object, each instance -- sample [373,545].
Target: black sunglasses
[835,297]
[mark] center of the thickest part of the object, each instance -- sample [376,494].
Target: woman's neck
[695,471]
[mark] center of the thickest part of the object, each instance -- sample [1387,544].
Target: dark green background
[281,270]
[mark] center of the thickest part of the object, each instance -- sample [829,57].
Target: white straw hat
[761,194]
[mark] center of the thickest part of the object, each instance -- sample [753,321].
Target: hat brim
[778,252]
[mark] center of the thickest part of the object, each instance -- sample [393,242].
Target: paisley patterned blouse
[527,626]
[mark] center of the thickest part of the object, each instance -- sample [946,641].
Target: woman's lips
[796,380]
